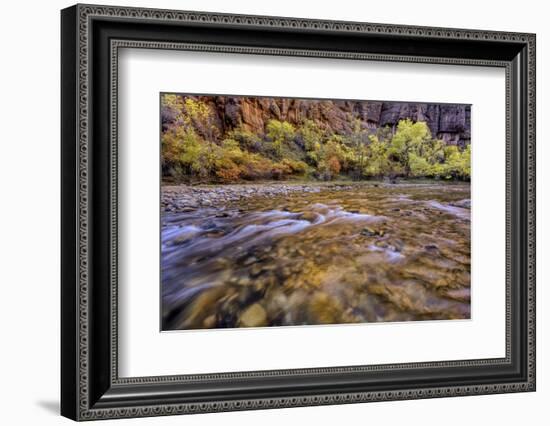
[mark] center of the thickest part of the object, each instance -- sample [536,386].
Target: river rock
[253,316]
[244,281]
[181,239]
[209,321]
[460,294]
[369,232]
[250,260]
[324,309]
[309,216]
[465,204]
[256,269]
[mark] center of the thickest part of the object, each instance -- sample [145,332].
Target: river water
[366,253]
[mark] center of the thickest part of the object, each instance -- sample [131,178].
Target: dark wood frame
[91,37]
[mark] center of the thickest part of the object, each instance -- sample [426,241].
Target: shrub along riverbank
[194,150]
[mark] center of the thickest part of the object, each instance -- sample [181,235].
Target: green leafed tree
[457,163]
[409,138]
[313,138]
[280,133]
[377,162]
[358,141]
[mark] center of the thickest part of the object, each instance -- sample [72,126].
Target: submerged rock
[324,309]
[309,216]
[460,294]
[253,316]
[209,322]
[369,232]
[244,281]
[250,260]
[187,209]
[465,204]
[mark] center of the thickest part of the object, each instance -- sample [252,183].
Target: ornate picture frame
[91,38]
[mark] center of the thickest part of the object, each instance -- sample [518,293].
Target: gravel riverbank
[186,198]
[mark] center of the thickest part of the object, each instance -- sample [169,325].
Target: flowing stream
[368,253]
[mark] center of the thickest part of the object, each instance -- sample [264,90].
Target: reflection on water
[365,254]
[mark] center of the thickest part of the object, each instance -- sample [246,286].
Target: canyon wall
[449,122]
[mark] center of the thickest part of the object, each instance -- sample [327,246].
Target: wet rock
[369,232]
[324,309]
[309,216]
[254,316]
[201,307]
[284,272]
[397,248]
[226,320]
[247,295]
[460,294]
[269,267]
[465,204]
[244,281]
[256,269]
[250,260]
[222,262]
[277,303]
[381,244]
[209,322]
[184,238]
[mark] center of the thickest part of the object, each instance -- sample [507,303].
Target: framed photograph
[263,212]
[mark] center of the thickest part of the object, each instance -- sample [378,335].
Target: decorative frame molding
[91,388]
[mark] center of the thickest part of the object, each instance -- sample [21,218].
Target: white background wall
[29,212]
